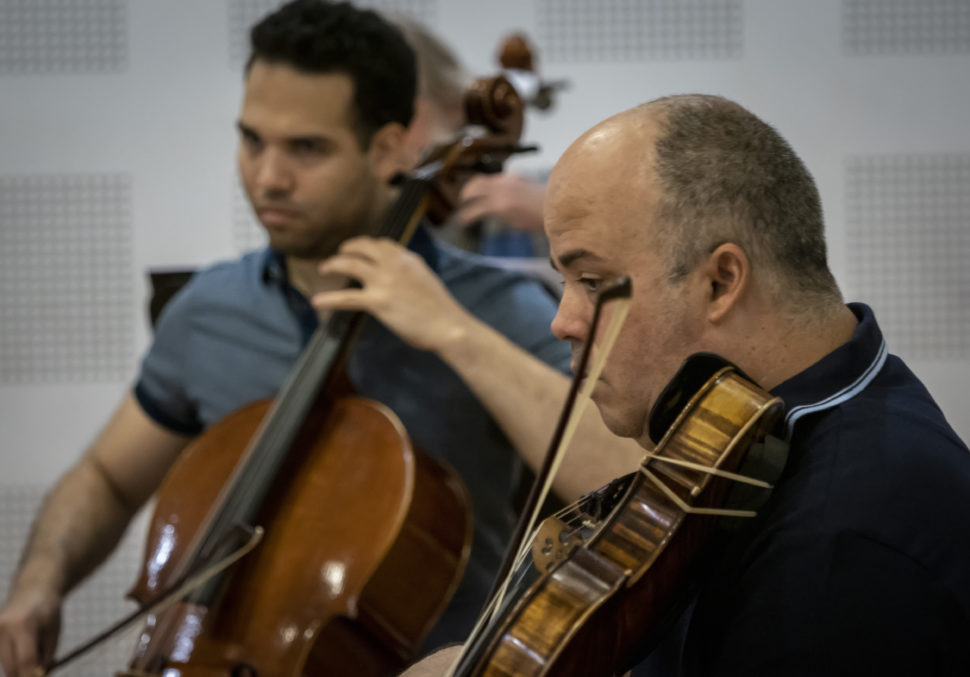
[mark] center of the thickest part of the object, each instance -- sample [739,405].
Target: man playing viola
[859,562]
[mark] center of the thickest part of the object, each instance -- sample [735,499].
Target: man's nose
[570,322]
[274,174]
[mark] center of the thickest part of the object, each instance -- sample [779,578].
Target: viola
[609,588]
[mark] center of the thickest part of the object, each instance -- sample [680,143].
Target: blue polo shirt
[232,335]
[859,563]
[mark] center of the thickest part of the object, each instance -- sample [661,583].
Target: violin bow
[192,580]
[577,399]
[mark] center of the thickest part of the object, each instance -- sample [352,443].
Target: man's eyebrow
[320,139]
[571,256]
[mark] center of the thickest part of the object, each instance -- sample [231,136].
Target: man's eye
[306,147]
[590,283]
[250,140]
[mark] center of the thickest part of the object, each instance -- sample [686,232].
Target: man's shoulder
[883,466]
[896,413]
[224,280]
[217,276]
[218,286]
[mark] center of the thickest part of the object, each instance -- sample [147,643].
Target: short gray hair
[727,176]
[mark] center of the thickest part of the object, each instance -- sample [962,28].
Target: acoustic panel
[243,14]
[905,27]
[66,273]
[640,30]
[41,37]
[908,230]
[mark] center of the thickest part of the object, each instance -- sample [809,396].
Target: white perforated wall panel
[906,27]
[908,231]
[44,37]
[640,30]
[117,147]
[65,265]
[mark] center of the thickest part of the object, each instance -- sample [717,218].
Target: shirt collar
[273,267]
[273,264]
[840,375]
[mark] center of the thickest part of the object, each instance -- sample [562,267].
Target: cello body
[314,596]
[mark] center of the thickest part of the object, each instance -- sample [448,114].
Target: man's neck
[305,279]
[303,273]
[788,349]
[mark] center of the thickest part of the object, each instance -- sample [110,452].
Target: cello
[390,526]
[349,542]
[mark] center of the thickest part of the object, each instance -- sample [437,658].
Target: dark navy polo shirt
[859,563]
[232,335]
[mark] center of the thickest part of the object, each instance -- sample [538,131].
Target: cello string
[306,381]
[252,474]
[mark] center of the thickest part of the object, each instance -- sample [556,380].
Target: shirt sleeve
[161,388]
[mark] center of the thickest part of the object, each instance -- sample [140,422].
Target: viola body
[362,549]
[595,611]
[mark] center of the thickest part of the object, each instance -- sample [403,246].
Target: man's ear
[727,271]
[387,152]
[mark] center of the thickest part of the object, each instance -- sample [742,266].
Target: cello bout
[313,597]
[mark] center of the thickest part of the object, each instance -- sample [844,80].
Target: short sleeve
[161,388]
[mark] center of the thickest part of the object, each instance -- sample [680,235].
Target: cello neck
[316,371]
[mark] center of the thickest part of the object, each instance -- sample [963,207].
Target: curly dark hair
[316,36]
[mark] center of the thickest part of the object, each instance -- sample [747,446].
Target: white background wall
[117,146]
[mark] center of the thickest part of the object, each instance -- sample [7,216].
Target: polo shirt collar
[273,264]
[840,375]
[273,267]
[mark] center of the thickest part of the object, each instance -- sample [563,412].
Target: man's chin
[611,418]
[288,246]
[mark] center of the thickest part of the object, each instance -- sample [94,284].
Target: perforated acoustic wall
[639,30]
[65,260]
[908,225]
[905,27]
[43,37]
[117,146]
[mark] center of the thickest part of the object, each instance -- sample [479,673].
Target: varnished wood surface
[356,495]
[594,613]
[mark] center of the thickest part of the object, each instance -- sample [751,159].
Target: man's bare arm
[523,394]
[79,524]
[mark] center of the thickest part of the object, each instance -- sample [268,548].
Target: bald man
[859,562]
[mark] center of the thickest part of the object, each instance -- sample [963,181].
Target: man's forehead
[283,91]
[612,155]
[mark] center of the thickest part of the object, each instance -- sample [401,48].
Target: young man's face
[306,176]
[599,217]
